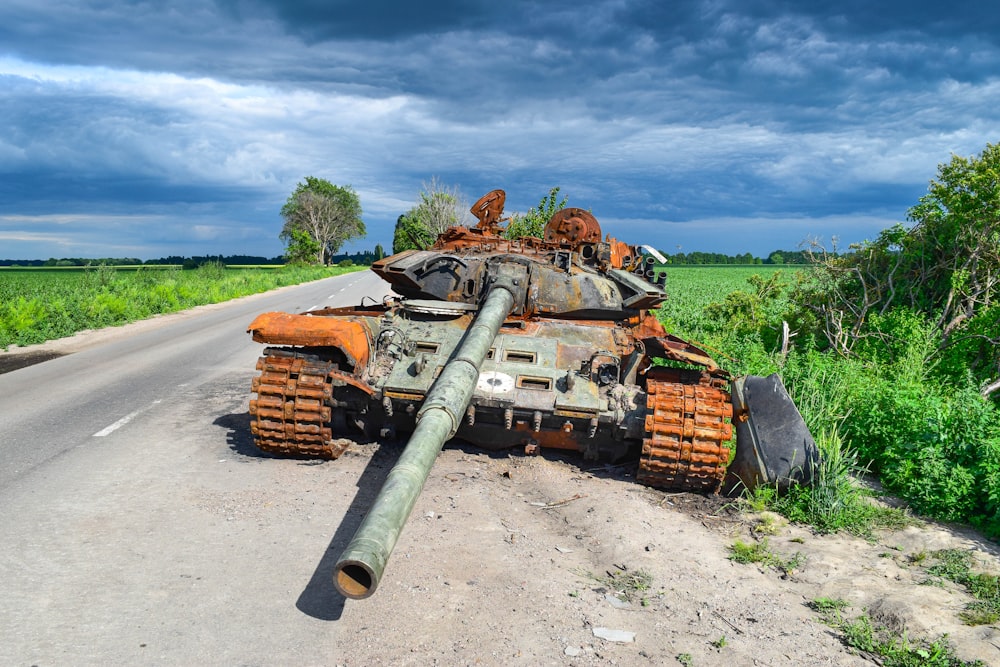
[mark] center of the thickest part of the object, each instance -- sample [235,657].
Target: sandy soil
[506,560]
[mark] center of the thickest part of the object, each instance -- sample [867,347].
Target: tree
[410,233]
[533,222]
[439,207]
[945,269]
[302,248]
[330,214]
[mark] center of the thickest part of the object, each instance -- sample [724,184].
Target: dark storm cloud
[773,120]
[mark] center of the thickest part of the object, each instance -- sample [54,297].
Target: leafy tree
[379,251]
[330,214]
[410,233]
[945,268]
[439,207]
[302,248]
[533,222]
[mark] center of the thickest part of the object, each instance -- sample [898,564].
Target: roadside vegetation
[883,645]
[892,354]
[39,305]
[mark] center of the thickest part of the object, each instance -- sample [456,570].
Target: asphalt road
[139,525]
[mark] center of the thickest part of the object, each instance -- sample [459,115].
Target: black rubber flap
[773,444]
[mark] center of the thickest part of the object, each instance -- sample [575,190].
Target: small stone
[611,635]
[616,601]
[573,651]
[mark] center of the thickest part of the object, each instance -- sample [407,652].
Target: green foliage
[330,215]
[533,222]
[410,234]
[36,306]
[956,565]
[302,247]
[753,311]
[883,645]
[890,408]
[896,650]
[829,608]
[438,208]
[761,553]
[834,502]
[945,269]
[935,446]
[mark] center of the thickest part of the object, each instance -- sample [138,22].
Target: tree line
[362,257]
[775,257]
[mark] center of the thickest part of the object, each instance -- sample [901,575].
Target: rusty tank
[532,343]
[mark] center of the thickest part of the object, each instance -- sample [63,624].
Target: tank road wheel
[291,414]
[686,446]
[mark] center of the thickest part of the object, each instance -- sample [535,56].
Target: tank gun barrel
[360,566]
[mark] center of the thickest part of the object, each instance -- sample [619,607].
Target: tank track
[686,447]
[291,415]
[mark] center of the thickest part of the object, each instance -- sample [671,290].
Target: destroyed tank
[535,343]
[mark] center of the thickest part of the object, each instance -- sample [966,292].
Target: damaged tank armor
[537,343]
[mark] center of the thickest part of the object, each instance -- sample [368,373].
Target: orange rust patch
[291,329]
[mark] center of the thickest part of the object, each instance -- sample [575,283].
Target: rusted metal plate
[349,335]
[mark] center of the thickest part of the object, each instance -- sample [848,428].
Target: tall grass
[36,306]
[924,430]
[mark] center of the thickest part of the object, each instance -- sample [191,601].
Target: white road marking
[124,420]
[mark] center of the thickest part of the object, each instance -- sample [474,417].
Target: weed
[895,649]
[955,565]
[720,642]
[626,585]
[834,501]
[768,524]
[826,605]
[761,553]
[883,646]
[685,659]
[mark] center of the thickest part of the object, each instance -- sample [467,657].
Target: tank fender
[352,337]
[773,443]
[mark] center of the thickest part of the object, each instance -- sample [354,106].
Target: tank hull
[544,384]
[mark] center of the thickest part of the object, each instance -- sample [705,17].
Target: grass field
[43,304]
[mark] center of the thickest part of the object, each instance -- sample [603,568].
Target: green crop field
[42,304]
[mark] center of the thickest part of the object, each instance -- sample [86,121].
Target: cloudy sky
[153,128]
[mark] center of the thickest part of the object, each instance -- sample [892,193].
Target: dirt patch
[521,560]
